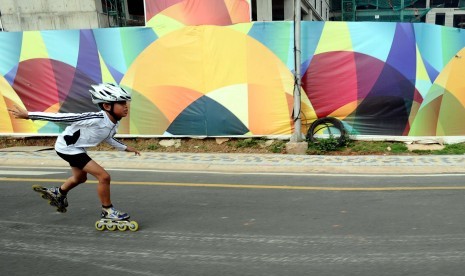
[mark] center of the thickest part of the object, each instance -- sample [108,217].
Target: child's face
[121,109]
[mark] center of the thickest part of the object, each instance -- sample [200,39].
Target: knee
[81,179]
[104,178]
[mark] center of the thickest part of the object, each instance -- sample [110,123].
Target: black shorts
[77,160]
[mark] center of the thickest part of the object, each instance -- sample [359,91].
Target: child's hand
[19,113]
[131,149]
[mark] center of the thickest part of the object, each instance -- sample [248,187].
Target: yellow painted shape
[241,27]
[9,98]
[33,46]
[456,81]
[421,73]
[106,75]
[336,31]
[344,110]
[210,58]
[163,25]
[7,91]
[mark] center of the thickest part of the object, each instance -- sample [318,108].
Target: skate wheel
[61,210]
[133,226]
[44,196]
[111,227]
[122,227]
[99,226]
[37,188]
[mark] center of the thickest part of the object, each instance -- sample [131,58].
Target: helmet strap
[112,113]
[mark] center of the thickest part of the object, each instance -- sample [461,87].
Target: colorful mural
[173,14]
[396,79]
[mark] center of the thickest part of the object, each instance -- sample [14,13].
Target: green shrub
[278,147]
[247,143]
[322,145]
[153,147]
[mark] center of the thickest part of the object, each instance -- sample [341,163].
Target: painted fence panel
[395,79]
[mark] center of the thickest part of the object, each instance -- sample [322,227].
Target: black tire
[327,122]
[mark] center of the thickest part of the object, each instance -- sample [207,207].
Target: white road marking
[27,172]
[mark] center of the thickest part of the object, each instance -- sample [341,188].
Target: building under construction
[449,13]
[28,15]
[31,15]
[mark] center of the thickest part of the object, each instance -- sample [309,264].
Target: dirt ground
[213,145]
[174,145]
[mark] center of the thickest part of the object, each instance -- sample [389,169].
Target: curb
[249,163]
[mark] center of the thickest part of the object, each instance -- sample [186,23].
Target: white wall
[449,15]
[27,15]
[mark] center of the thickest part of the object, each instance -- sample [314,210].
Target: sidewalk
[227,162]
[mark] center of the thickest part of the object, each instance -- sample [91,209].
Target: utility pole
[297,136]
[297,145]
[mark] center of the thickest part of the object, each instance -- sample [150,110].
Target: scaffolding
[381,10]
[115,10]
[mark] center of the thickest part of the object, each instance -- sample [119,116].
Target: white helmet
[108,93]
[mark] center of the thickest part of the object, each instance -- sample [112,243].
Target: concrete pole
[402,4]
[297,135]
[1,23]
[264,10]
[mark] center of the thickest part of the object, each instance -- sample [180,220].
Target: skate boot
[54,197]
[112,219]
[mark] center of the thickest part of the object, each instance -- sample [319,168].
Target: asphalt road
[237,224]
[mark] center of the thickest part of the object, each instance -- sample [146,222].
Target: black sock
[106,207]
[62,192]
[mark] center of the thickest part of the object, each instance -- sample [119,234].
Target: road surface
[237,224]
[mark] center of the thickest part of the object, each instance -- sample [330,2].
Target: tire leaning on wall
[328,123]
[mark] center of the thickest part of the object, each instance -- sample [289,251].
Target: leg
[79,176]
[103,187]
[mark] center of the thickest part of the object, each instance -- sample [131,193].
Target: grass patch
[369,147]
[451,149]
[247,143]
[278,146]
[153,147]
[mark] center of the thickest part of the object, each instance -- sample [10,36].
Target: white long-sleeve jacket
[85,130]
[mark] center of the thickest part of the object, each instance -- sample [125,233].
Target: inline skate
[112,219]
[53,196]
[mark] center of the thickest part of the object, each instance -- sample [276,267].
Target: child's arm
[19,113]
[131,149]
[120,146]
[65,118]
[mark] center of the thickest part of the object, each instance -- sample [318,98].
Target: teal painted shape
[62,45]
[119,47]
[372,39]
[428,38]
[10,51]
[453,40]
[50,127]
[109,46]
[311,34]
[207,117]
[278,37]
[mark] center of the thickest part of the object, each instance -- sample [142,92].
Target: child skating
[86,130]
